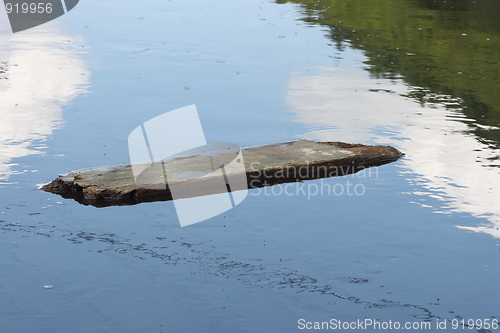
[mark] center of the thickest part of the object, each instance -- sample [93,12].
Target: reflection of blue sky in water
[43,74]
[447,162]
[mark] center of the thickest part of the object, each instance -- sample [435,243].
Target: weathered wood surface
[263,166]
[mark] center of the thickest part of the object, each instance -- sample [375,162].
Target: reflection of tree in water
[445,48]
[484,11]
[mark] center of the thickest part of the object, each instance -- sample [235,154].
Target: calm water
[418,242]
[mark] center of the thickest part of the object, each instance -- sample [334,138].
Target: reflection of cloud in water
[346,105]
[43,73]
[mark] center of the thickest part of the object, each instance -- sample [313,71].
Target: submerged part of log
[202,172]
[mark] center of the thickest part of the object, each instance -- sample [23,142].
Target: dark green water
[442,47]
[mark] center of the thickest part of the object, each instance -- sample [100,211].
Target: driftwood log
[250,167]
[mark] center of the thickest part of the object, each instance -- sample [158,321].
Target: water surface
[420,242]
